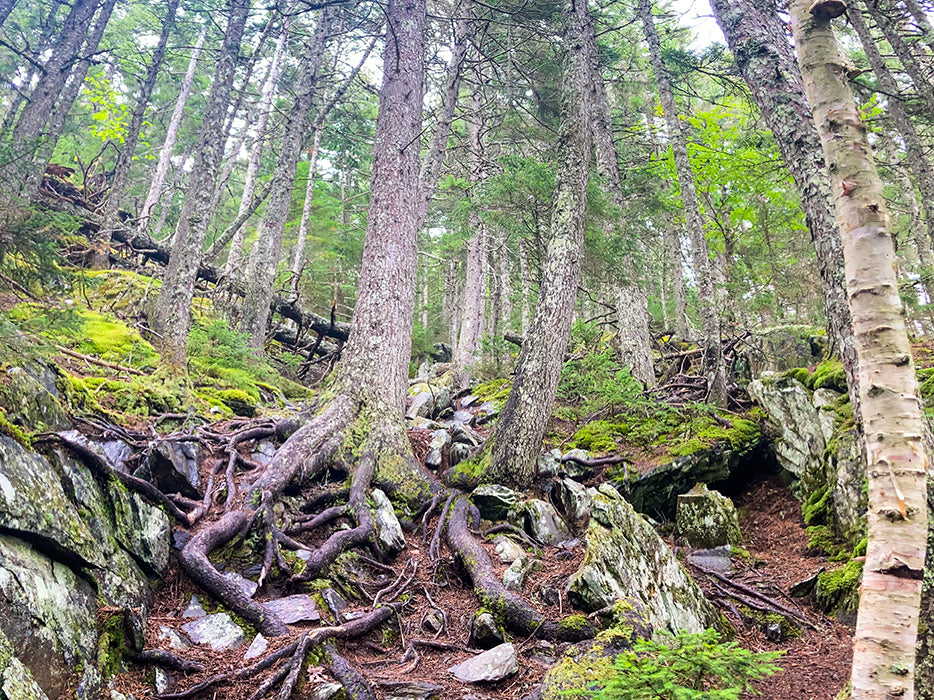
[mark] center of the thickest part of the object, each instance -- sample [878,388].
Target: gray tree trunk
[171,135]
[710,317]
[6,7]
[921,19]
[517,439]
[525,281]
[264,258]
[171,315]
[759,43]
[683,326]
[881,11]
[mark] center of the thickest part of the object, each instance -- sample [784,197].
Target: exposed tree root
[355,685]
[515,613]
[167,659]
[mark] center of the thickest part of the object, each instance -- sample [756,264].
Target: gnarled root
[516,614]
[355,685]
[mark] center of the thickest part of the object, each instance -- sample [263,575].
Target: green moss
[111,644]
[575,622]
[860,549]
[599,436]
[705,433]
[800,373]
[789,629]
[496,390]
[821,537]
[816,508]
[829,374]
[838,590]
[9,429]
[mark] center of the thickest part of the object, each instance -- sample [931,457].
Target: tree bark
[264,258]
[517,439]
[525,282]
[880,11]
[6,7]
[921,19]
[171,317]
[886,627]
[710,318]
[171,135]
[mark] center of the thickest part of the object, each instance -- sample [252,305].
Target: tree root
[167,659]
[355,685]
[515,613]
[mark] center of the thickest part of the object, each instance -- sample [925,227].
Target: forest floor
[815,665]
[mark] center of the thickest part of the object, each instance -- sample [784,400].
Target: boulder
[487,412]
[540,520]
[707,519]
[31,400]
[16,680]
[411,690]
[485,633]
[507,549]
[548,463]
[490,666]
[626,559]
[791,409]
[573,500]
[218,631]
[294,608]
[325,691]
[173,467]
[459,452]
[572,468]
[715,559]
[493,501]
[466,435]
[388,530]
[442,352]
[440,439]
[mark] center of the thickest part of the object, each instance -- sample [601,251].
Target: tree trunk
[171,316]
[760,46]
[6,7]
[915,151]
[710,318]
[118,181]
[683,326]
[525,282]
[633,339]
[264,109]
[517,439]
[886,627]
[921,19]
[880,11]
[171,135]
[264,258]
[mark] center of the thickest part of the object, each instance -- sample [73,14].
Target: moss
[496,390]
[789,629]
[9,429]
[821,537]
[111,644]
[860,549]
[599,436]
[838,590]
[800,373]
[574,622]
[829,374]
[705,433]
[816,509]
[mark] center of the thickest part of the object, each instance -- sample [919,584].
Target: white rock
[257,647]
[492,665]
[218,630]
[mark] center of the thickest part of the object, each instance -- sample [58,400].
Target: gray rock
[507,549]
[264,452]
[573,500]
[469,400]
[173,466]
[421,406]
[572,469]
[462,416]
[388,530]
[540,520]
[549,463]
[335,601]
[805,587]
[459,452]
[117,453]
[715,559]
[294,608]
[440,439]
[218,631]
[244,584]
[257,647]
[411,690]
[325,691]
[801,442]
[434,621]
[493,501]
[163,681]
[175,640]
[626,559]
[194,609]
[707,519]
[484,632]
[487,412]
[421,423]
[514,577]
[466,435]
[490,666]
[442,352]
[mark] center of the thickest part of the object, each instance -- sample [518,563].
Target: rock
[335,602]
[173,467]
[487,412]
[549,463]
[244,584]
[493,501]
[773,632]
[514,577]
[490,666]
[466,435]
[217,630]
[540,520]
[421,423]
[469,400]
[801,442]
[707,519]
[411,690]
[180,538]
[325,691]
[175,640]
[462,416]
[117,453]
[30,398]
[294,608]
[573,500]
[573,469]
[850,500]
[442,352]
[716,559]
[440,439]
[626,559]
[427,400]
[163,681]
[257,647]
[421,406]
[264,452]
[507,549]
[805,587]
[459,452]
[194,609]
[16,680]
[388,530]
[484,632]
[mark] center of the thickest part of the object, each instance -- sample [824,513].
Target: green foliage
[29,241]
[685,667]
[110,117]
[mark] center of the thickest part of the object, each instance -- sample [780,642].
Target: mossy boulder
[540,520]
[837,591]
[493,501]
[707,519]
[627,560]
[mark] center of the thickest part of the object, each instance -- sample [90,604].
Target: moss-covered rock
[707,519]
[837,591]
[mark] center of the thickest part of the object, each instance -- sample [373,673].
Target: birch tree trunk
[767,62]
[633,339]
[171,135]
[171,314]
[710,318]
[264,258]
[517,439]
[886,627]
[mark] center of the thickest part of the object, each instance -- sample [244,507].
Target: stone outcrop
[627,560]
[707,519]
